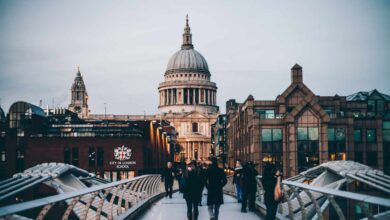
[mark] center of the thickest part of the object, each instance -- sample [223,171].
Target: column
[192,150]
[170,96]
[193,96]
[165,97]
[206,93]
[215,97]
[188,96]
[200,151]
[201,91]
[187,150]
[209,97]
[197,93]
[159,98]
[175,96]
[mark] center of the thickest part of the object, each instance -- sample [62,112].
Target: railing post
[44,211]
[318,209]
[336,206]
[303,208]
[88,205]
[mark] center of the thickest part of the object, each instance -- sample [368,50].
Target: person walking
[271,179]
[191,186]
[167,177]
[249,187]
[237,180]
[215,180]
[202,174]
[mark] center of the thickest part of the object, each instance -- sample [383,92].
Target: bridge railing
[303,201]
[106,201]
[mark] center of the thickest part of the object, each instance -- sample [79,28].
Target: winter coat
[237,175]
[192,186]
[269,184]
[248,180]
[167,176]
[215,180]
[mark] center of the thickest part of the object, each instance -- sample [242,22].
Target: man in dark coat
[167,176]
[249,186]
[192,186]
[202,174]
[215,180]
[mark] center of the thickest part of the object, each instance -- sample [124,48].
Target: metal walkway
[175,208]
[322,192]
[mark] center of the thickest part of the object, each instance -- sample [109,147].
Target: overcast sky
[123,48]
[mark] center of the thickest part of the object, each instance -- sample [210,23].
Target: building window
[357,135]
[375,106]
[272,146]
[92,157]
[266,114]
[307,133]
[371,136]
[371,106]
[75,156]
[336,144]
[372,159]
[359,157]
[194,127]
[100,157]
[67,155]
[308,147]
[3,157]
[386,131]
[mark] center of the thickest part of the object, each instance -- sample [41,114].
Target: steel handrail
[51,200]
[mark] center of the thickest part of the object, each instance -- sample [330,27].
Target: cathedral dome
[187,60]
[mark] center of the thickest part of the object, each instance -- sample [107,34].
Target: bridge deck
[175,208]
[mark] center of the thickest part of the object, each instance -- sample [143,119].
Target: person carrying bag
[271,181]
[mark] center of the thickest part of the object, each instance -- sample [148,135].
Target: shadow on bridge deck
[175,208]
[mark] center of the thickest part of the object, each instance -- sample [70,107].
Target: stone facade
[188,99]
[79,96]
[300,129]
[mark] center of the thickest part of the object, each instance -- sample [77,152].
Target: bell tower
[79,96]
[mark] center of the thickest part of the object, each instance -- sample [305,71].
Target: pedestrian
[237,180]
[167,177]
[191,185]
[249,187]
[202,174]
[215,180]
[271,179]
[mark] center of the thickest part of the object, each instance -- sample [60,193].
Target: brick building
[111,149]
[300,129]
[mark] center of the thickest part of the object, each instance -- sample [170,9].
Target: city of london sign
[122,153]
[122,157]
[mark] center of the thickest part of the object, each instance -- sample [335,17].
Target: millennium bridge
[332,190]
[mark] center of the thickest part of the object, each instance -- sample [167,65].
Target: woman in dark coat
[270,176]
[249,187]
[215,180]
[192,186]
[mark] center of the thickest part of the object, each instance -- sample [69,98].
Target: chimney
[296,74]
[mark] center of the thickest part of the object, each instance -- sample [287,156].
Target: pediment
[195,114]
[309,102]
[294,94]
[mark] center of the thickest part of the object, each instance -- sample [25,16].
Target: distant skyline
[123,48]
